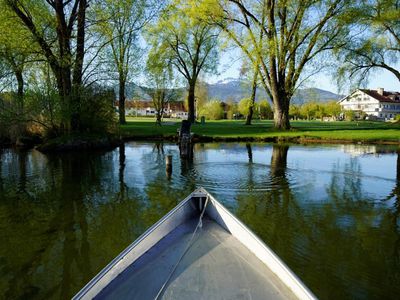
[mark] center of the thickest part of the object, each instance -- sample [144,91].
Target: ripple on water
[242,176]
[327,225]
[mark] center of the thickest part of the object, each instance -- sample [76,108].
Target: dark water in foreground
[330,212]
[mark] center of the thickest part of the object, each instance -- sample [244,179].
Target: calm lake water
[330,212]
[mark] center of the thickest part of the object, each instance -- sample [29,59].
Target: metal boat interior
[199,250]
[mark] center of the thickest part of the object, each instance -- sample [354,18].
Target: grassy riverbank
[303,131]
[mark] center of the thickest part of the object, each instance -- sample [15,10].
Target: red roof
[173,105]
[392,97]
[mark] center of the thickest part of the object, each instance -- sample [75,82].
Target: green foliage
[375,42]
[349,115]
[308,110]
[15,40]
[231,109]
[201,94]
[16,48]
[160,83]
[98,113]
[59,35]
[180,37]
[44,114]
[244,107]
[315,110]
[295,111]
[190,45]
[119,27]
[283,39]
[333,109]
[265,110]
[212,110]
[5,111]
[51,96]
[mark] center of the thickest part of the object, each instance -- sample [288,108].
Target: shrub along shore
[235,130]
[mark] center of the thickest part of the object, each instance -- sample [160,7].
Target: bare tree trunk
[249,116]
[20,101]
[63,78]
[158,117]
[121,102]
[191,98]
[20,90]
[80,43]
[76,96]
[65,94]
[281,110]
[281,118]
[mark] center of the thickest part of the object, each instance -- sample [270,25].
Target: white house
[149,111]
[180,115]
[378,103]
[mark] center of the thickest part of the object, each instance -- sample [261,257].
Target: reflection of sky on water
[321,208]
[225,169]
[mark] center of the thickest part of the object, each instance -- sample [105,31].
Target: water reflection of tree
[250,168]
[74,215]
[74,227]
[159,149]
[340,247]
[395,211]
[1,170]
[114,223]
[249,152]
[283,204]
[161,194]
[22,161]
[270,211]
[345,184]
[187,169]
[121,172]
[364,263]
[395,193]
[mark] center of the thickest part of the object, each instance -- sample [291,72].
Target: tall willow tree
[58,28]
[294,34]
[251,75]
[190,43]
[120,24]
[378,47]
[15,52]
[160,84]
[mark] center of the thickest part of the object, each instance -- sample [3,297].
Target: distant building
[378,104]
[361,150]
[139,108]
[180,115]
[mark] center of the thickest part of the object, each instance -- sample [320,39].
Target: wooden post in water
[168,166]
[185,139]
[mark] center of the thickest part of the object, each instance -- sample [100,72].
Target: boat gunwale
[281,264]
[83,292]
[292,278]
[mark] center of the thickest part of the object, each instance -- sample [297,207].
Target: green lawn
[231,129]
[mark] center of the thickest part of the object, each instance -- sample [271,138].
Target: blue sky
[230,64]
